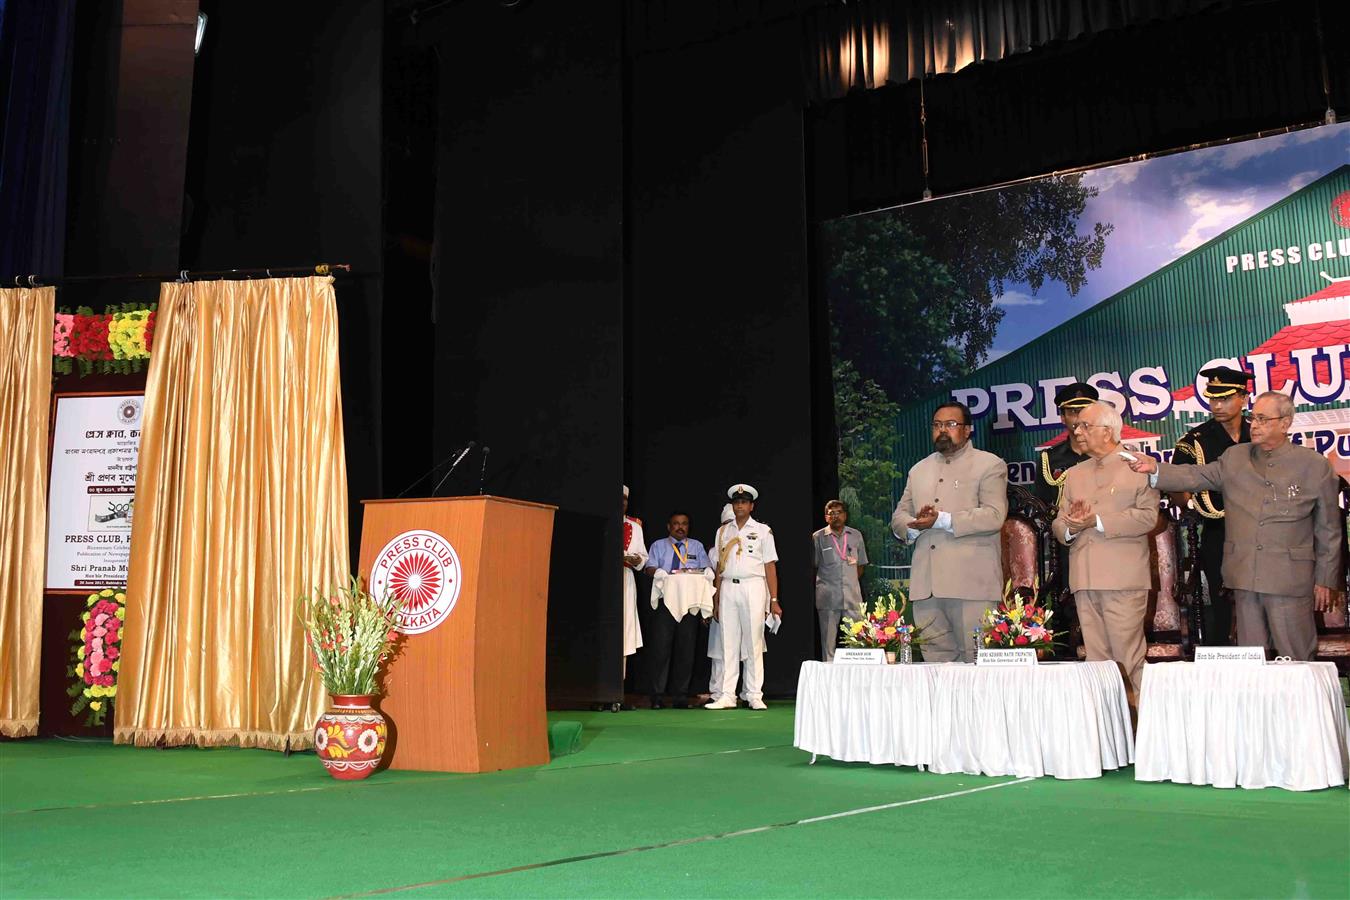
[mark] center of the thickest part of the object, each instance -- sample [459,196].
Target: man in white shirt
[745,560]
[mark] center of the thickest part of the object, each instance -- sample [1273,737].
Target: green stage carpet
[672,803]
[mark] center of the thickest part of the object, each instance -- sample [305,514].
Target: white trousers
[715,657]
[742,607]
[632,630]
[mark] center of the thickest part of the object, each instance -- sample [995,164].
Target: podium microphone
[454,465]
[482,473]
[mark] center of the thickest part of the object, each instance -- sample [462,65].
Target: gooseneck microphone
[454,465]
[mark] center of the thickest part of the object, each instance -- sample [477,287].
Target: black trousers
[671,647]
[1217,621]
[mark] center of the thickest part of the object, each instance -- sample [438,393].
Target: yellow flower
[84,634]
[110,691]
[120,597]
[117,665]
[120,613]
[95,705]
[79,669]
[106,592]
[95,690]
[79,653]
[857,628]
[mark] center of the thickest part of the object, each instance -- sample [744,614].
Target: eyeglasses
[1084,426]
[1262,420]
[949,425]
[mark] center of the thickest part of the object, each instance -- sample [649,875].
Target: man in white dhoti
[744,557]
[634,558]
[715,627]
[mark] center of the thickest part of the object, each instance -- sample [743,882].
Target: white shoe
[720,704]
[757,704]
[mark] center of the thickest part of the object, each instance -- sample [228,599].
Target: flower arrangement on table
[883,626]
[94,656]
[1019,620]
[349,633]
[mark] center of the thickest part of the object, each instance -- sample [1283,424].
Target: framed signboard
[91,494]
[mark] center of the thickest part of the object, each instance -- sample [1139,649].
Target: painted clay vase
[350,737]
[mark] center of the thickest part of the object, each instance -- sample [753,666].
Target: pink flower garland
[97,652]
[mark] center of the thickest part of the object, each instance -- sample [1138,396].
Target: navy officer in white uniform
[745,561]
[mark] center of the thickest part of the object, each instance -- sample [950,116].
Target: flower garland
[95,663]
[117,341]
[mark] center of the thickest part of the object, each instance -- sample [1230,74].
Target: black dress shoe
[656,703]
[680,703]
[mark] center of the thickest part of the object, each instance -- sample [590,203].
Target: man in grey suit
[1105,519]
[957,573]
[1281,555]
[839,555]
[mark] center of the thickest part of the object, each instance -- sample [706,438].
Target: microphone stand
[454,465]
[442,462]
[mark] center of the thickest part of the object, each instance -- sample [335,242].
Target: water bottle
[906,653]
[974,644]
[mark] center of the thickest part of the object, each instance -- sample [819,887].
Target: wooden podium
[467,694]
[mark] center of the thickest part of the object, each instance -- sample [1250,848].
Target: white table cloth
[1277,725]
[1068,720]
[683,592]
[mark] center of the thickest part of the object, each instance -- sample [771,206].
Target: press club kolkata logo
[421,568]
[1340,210]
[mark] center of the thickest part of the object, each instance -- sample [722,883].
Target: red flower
[1020,640]
[112,653]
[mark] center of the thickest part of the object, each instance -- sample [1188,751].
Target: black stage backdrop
[284,170]
[528,282]
[720,343]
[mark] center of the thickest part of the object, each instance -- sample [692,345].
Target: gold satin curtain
[241,504]
[26,319]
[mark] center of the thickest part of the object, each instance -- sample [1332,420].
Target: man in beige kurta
[1105,519]
[952,509]
[1283,533]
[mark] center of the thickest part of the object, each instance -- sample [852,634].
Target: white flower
[320,739]
[368,741]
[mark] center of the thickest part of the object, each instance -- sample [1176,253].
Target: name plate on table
[1006,657]
[860,656]
[1249,656]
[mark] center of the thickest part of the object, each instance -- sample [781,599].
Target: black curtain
[1225,73]
[36,45]
[872,43]
[283,169]
[528,290]
[721,343]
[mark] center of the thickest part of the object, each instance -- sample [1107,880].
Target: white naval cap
[625,490]
[742,489]
[727,514]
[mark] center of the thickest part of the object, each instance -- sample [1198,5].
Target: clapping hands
[1079,516]
[924,518]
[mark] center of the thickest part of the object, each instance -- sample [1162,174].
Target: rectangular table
[1068,720]
[1253,726]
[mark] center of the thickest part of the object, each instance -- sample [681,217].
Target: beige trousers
[1113,628]
[946,627]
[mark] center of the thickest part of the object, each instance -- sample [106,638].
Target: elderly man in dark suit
[1282,553]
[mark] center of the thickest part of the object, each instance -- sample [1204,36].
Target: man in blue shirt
[671,644]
